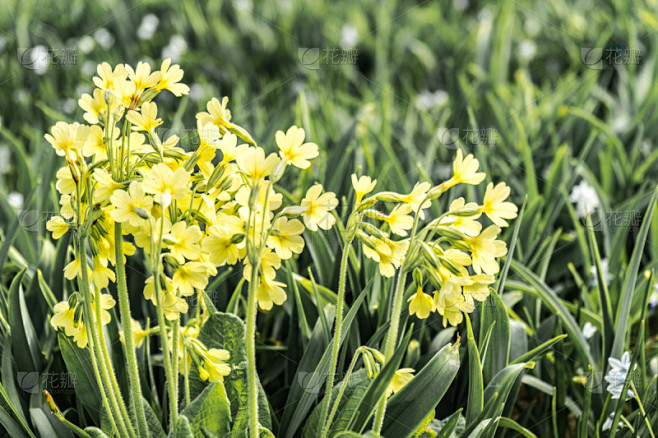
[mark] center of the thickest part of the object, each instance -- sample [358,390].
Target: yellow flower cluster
[458,257]
[189,212]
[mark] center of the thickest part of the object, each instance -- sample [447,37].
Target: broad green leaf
[182,428]
[48,425]
[152,421]
[409,406]
[78,362]
[446,427]
[624,306]
[475,384]
[210,410]
[357,384]
[25,344]
[493,313]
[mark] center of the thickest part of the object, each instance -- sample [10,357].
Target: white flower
[147,27]
[588,330]
[427,100]
[585,198]
[349,36]
[616,376]
[606,274]
[15,199]
[653,299]
[104,38]
[608,422]
[174,50]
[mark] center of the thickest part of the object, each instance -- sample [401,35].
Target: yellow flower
[142,76]
[270,292]
[173,305]
[57,226]
[144,235]
[127,203]
[95,106]
[73,269]
[229,147]
[269,263]
[183,241]
[222,242]
[416,196]
[292,148]
[450,303]
[65,182]
[421,304]
[106,76]
[138,334]
[68,139]
[80,338]
[64,317]
[170,76]
[399,219]
[362,186]
[494,205]
[192,275]
[465,170]
[218,114]
[317,207]
[123,92]
[166,185]
[464,224]
[400,379]
[478,287]
[147,119]
[485,248]
[107,303]
[105,187]
[254,163]
[388,253]
[149,288]
[101,275]
[285,237]
[213,368]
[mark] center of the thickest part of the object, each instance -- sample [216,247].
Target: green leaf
[24,340]
[182,429]
[624,306]
[79,363]
[446,427]
[210,410]
[95,432]
[538,351]
[356,387]
[475,384]
[152,421]
[494,314]
[551,300]
[410,406]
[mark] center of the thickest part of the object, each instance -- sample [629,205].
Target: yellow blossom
[166,185]
[362,186]
[465,170]
[494,205]
[218,114]
[292,148]
[400,379]
[399,219]
[222,242]
[254,163]
[146,119]
[213,367]
[270,292]
[68,139]
[192,275]
[286,238]
[107,76]
[170,76]
[229,147]
[58,226]
[421,304]
[485,249]
[183,241]
[317,207]
[126,204]
[468,225]
[142,76]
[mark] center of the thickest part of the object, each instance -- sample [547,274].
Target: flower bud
[141,212]
[293,211]
[388,197]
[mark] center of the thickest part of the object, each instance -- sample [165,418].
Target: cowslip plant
[438,251]
[124,191]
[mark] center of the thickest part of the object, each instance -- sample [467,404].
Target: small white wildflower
[349,36]
[616,376]
[527,50]
[104,38]
[147,27]
[175,49]
[585,198]
[15,199]
[588,330]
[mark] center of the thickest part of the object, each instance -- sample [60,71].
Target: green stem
[644,414]
[175,334]
[340,302]
[173,414]
[391,340]
[129,343]
[327,426]
[252,309]
[94,345]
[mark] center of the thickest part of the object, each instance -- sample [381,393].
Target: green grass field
[556,99]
